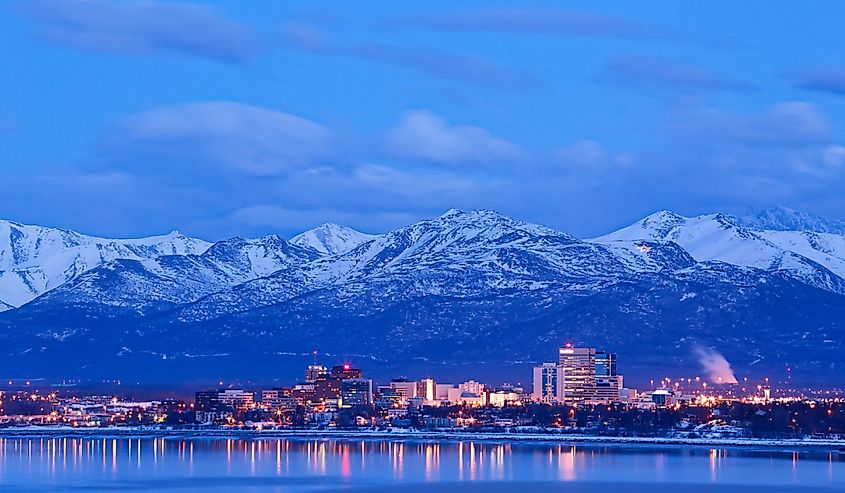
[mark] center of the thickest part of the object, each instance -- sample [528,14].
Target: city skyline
[390,246]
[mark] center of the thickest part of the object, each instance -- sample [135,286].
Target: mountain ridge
[466,286]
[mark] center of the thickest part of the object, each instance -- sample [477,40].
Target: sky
[127,118]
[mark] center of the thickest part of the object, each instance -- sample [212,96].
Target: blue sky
[136,117]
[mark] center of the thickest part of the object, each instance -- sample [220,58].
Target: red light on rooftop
[346,366]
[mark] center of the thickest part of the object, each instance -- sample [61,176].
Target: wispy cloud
[830,79]
[425,135]
[229,136]
[473,70]
[539,21]
[668,74]
[792,124]
[141,27]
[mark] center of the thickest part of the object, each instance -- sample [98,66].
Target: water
[279,465]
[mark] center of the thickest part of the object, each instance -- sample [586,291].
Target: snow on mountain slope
[35,259]
[825,248]
[175,279]
[331,239]
[718,237]
[458,254]
[460,242]
[785,219]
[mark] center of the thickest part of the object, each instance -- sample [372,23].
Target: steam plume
[714,365]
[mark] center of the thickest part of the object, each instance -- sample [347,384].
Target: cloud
[275,217]
[790,124]
[226,135]
[667,74]
[425,135]
[830,79]
[538,21]
[589,155]
[431,62]
[221,168]
[141,27]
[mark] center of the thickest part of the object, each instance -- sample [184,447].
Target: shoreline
[69,432]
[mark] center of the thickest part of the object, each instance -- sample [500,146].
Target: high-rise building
[280,398]
[441,391]
[314,372]
[346,371]
[605,364]
[472,387]
[356,392]
[388,398]
[548,383]
[608,382]
[607,389]
[404,387]
[579,373]
[207,400]
[326,388]
[427,389]
[236,398]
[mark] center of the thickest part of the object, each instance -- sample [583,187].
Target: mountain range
[455,294]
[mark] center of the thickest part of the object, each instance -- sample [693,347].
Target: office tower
[605,364]
[236,398]
[579,373]
[207,400]
[345,371]
[472,387]
[404,387]
[356,392]
[314,372]
[608,382]
[326,388]
[548,383]
[607,389]
[426,389]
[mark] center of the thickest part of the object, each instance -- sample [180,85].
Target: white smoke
[715,365]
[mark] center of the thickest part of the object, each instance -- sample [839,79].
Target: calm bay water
[168,464]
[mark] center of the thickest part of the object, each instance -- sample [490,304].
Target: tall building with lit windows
[605,364]
[548,383]
[427,389]
[314,372]
[344,371]
[579,373]
[608,382]
[356,392]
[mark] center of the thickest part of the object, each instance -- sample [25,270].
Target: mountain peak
[451,213]
[780,218]
[331,239]
[657,226]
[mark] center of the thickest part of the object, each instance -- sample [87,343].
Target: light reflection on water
[152,464]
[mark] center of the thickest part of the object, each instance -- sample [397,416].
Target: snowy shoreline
[138,432]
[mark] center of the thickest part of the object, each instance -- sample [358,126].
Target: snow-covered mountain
[786,219]
[141,285]
[472,287]
[331,239]
[35,259]
[815,258]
